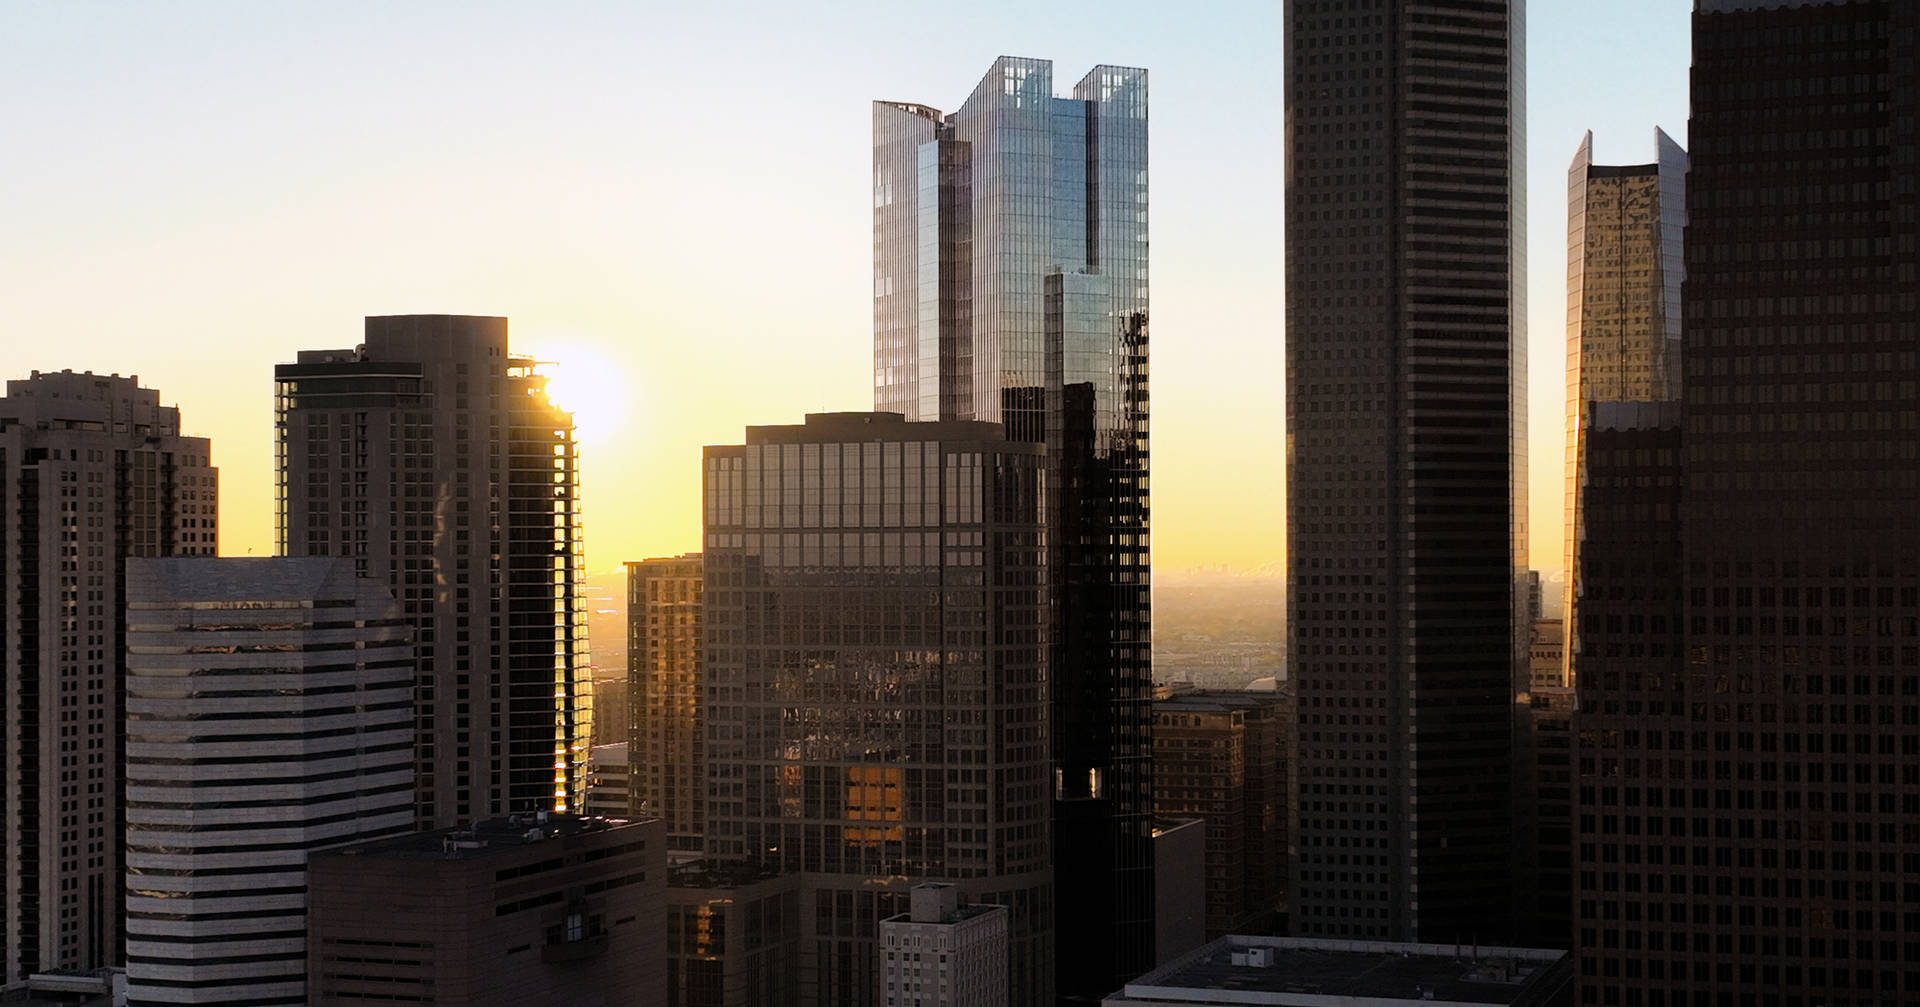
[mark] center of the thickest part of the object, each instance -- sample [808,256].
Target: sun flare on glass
[589,386]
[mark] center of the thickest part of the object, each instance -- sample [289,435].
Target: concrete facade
[941,953]
[269,714]
[534,909]
[93,470]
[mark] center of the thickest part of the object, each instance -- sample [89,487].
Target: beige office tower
[92,470]
[1624,269]
[431,457]
[668,778]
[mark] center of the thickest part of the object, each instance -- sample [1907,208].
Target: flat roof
[1302,972]
[480,840]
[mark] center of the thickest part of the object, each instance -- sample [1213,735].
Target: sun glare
[589,386]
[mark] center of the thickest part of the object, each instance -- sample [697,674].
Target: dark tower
[1406,479]
[1748,736]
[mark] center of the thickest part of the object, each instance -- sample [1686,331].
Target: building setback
[93,470]
[269,714]
[1625,228]
[536,908]
[940,953]
[1010,286]
[431,456]
[1748,736]
[1406,460]
[664,685]
[876,713]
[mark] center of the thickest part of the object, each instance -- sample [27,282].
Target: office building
[431,457]
[1237,971]
[733,936]
[609,782]
[1625,226]
[536,908]
[664,686]
[1543,819]
[93,469]
[940,953]
[1546,660]
[269,714]
[1010,286]
[1406,449]
[1748,736]
[1221,756]
[876,716]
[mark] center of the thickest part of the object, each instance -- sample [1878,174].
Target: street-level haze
[672,205]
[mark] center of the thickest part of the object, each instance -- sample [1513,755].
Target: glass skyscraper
[1406,460]
[1010,285]
[1625,225]
[875,604]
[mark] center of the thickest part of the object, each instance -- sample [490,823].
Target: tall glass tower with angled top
[1010,285]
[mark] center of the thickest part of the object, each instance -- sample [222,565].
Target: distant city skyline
[215,186]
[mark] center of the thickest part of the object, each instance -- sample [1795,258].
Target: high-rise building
[1747,738]
[940,953]
[1010,286]
[93,470]
[1406,448]
[1220,756]
[733,936]
[609,782]
[1625,225]
[532,908]
[664,684]
[876,716]
[431,456]
[1547,654]
[269,714]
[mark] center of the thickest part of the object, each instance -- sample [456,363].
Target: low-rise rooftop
[493,837]
[1300,972]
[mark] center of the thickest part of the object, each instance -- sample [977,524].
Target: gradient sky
[671,201]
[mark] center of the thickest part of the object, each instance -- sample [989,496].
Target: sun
[588,385]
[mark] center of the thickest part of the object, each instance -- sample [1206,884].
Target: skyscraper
[1010,286]
[876,715]
[1625,225]
[269,714]
[93,469]
[431,456]
[1406,478]
[1747,741]
[664,685]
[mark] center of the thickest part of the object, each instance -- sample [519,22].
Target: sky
[671,204]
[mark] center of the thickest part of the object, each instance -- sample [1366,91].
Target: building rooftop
[1300,972]
[1220,700]
[493,837]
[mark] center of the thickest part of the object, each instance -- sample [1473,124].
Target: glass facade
[875,603]
[1624,269]
[1010,285]
[1406,474]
